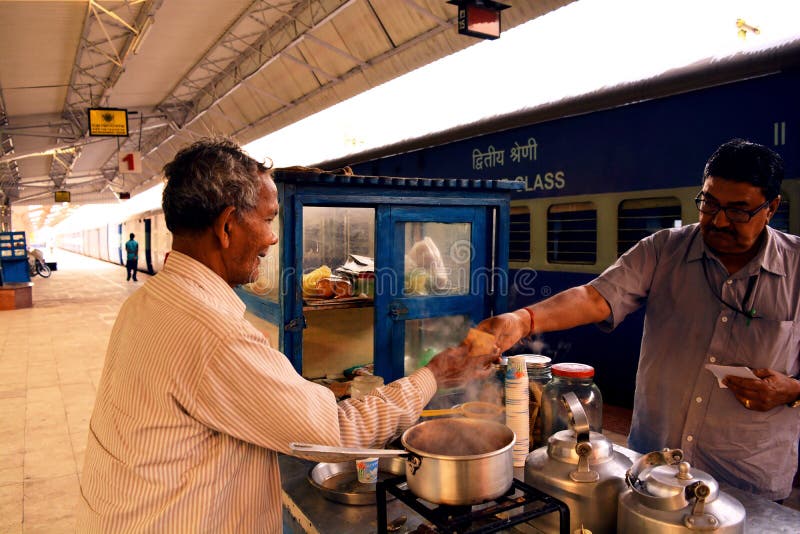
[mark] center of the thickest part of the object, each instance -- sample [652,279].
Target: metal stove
[519,504]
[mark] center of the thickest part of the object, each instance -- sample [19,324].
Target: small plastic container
[367,470]
[579,379]
[363,384]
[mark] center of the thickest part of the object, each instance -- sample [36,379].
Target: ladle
[327,453]
[472,409]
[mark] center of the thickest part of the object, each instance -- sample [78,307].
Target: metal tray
[339,481]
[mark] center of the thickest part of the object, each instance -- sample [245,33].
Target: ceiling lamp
[479,18]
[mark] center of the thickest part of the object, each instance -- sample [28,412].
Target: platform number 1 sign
[130,162]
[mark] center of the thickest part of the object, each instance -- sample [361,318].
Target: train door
[94,243]
[160,240]
[436,285]
[115,244]
[103,242]
[147,246]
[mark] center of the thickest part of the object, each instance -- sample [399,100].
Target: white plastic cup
[367,469]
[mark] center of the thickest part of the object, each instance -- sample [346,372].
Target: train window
[572,233]
[640,217]
[780,221]
[519,243]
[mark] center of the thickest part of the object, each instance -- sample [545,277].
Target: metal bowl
[339,481]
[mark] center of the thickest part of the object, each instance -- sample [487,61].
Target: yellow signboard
[109,122]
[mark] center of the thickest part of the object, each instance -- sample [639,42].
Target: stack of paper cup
[517,419]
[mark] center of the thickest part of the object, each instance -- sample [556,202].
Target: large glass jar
[579,379]
[538,377]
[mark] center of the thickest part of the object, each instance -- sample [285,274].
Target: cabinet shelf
[337,304]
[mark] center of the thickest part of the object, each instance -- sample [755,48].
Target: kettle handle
[578,420]
[651,459]
[580,425]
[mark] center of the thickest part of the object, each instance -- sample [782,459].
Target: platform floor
[51,358]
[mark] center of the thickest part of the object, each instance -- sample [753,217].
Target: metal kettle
[667,496]
[582,469]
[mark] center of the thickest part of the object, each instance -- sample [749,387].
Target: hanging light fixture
[479,18]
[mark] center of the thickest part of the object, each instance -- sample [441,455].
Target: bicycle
[36,266]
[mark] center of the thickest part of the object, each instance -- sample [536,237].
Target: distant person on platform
[132,261]
[194,405]
[723,291]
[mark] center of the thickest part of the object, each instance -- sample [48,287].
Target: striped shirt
[193,407]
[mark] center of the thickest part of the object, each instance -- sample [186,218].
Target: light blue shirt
[678,403]
[132,248]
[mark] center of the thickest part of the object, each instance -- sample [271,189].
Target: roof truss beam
[120,24]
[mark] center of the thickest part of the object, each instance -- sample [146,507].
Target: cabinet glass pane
[427,337]
[335,340]
[437,258]
[331,234]
[266,283]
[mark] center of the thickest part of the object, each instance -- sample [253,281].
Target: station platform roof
[188,68]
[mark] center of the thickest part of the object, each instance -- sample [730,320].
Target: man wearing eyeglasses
[724,291]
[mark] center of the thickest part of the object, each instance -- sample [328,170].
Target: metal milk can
[582,469]
[668,496]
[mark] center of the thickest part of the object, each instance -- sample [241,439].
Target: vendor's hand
[770,390]
[507,328]
[453,367]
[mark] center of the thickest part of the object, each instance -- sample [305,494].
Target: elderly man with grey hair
[193,404]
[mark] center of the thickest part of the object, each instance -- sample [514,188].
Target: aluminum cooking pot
[453,461]
[459,461]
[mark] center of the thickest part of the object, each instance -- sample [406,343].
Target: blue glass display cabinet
[413,264]
[14,258]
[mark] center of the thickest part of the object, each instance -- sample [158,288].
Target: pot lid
[670,481]
[561,447]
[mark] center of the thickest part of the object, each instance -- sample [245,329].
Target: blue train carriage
[597,182]
[107,242]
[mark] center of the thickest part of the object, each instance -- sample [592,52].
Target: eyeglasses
[712,207]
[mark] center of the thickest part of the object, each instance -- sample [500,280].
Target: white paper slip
[721,371]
